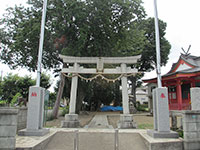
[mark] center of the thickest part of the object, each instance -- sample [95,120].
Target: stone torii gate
[71,119]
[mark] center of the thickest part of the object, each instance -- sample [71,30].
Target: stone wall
[8,128]
[22,118]
[195,98]
[176,119]
[191,128]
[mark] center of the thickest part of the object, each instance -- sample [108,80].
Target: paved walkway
[96,135]
[99,122]
[95,139]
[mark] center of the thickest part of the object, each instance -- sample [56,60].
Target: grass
[145,126]
[180,133]
[142,107]
[49,126]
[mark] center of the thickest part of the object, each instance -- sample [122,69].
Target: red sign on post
[162,95]
[34,94]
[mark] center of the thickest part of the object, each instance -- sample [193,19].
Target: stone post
[71,119]
[195,98]
[73,95]
[125,98]
[191,126]
[35,114]
[155,110]
[126,120]
[161,115]
[8,128]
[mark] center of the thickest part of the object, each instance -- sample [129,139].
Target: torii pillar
[126,119]
[71,119]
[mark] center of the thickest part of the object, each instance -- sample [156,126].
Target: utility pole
[35,114]
[158,70]
[39,66]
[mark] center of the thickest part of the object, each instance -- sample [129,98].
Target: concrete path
[99,122]
[96,139]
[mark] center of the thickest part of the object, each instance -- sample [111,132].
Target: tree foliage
[81,28]
[13,84]
[148,60]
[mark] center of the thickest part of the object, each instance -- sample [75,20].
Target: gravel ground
[143,120]
[84,118]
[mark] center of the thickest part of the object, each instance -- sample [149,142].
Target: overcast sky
[183,26]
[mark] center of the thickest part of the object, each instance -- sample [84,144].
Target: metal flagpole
[157,45]
[41,43]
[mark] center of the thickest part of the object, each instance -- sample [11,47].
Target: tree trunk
[133,92]
[80,98]
[133,89]
[59,96]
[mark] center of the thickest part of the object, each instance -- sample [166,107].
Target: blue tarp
[111,108]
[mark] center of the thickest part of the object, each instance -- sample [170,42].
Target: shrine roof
[193,63]
[186,71]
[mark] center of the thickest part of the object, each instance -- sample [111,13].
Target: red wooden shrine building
[182,76]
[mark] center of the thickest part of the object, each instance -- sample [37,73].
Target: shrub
[142,107]
[65,111]
[15,99]
[3,102]
[180,132]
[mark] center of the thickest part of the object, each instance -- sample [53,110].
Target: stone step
[96,141]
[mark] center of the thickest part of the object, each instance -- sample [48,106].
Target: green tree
[78,28]
[45,81]
[148,60]
[13,84]
[52,99]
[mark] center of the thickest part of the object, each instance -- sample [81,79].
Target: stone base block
[71,117]
[71,121]
[7,143]
[70,124]
[28,132]
[7,131]
[156,134]
[126,122]
[192,145]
